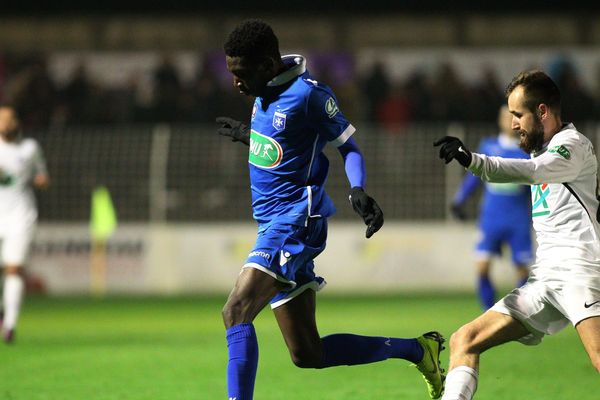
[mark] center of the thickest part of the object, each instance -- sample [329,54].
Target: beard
[9,135]
[533,140]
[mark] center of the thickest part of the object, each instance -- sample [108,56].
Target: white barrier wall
[177,258]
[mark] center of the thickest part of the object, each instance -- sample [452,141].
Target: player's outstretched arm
[236,130]
[368,209]
[553,166]
[362,203]
[453,149]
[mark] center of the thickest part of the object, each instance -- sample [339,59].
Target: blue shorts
[518,237]
[286,252]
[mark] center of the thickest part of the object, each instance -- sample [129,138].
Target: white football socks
[461,384]
[13,294]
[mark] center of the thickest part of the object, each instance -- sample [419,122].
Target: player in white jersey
[22,167]
[564,285]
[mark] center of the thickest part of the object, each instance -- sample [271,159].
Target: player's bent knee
[306,359]
[462,341]
[233,313]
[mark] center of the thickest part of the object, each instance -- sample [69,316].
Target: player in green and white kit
[21,167]
[564,284]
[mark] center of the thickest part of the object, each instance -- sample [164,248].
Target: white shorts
[545,308]
[15,245]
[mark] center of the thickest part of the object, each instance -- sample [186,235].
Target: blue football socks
[347,349]
[487,293]
[243,361]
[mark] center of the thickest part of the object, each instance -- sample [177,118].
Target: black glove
[236,130]
[453,148]
[368,209]
[458,212]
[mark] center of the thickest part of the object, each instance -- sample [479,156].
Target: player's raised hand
[368,209]
[453,148]
[236,130]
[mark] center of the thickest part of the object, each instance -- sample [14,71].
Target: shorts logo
[586,305]
[284,257]
[562,151]
[331,107]
[539,205]
[279,121]
[264,151]
[262,254]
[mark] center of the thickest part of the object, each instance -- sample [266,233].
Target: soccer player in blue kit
[505,214]
[293,118]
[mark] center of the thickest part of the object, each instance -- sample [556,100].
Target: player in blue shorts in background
[505,212]
[293,118]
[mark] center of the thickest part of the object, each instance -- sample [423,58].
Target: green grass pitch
[174,348]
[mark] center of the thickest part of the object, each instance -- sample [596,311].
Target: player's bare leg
[466,345]
[14,288]
[251,293]
[298,325]
[296,320]
[589,332]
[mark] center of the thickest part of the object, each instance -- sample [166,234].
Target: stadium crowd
[372,96]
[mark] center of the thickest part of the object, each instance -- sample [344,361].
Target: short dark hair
[538,88]
[253,40]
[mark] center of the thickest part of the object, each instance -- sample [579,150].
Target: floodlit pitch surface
[174,348]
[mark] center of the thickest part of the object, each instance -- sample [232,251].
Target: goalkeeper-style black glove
[367,208]
[236,130]
[453,148]
[458,212]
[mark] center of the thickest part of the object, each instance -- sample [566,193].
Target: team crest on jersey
[279,121]
[331,107]
[253,111]
[539,205]
[264,152]
[562,151]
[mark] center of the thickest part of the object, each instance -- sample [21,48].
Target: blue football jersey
[290,126]
[503,203]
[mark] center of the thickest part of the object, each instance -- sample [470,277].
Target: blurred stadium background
[129,100]
[126,97]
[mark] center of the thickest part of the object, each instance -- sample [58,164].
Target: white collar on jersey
[298,68]
[565,126]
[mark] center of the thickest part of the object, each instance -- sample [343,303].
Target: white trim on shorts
[270,273]
[314,285]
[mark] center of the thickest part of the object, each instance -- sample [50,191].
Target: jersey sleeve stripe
[340,140]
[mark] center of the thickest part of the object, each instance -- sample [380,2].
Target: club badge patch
[279,121]
[562,151]
[331,107]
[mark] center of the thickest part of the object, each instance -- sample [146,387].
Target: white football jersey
[564,197]
[20,161]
